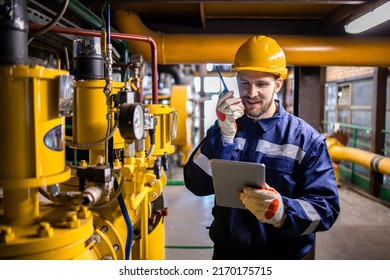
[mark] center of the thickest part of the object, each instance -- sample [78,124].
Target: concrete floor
[362,231]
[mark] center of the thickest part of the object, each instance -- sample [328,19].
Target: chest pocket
[280,173]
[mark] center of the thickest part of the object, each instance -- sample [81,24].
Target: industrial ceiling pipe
[221,48]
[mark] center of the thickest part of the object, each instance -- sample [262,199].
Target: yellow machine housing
[139,184]
[165,130]
[30,110]
[89,119]
[33,156]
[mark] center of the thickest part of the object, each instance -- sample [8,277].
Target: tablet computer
[230,177]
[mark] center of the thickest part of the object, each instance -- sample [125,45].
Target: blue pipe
[129,225]
[108,25]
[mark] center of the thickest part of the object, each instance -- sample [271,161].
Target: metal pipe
[13,32]
[21,206]
[108,87]
[339,152]
[221,48]
[128,37]
[89,17]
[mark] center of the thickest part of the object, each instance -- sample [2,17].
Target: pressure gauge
[131,121]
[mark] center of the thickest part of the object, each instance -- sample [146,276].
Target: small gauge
[131,121]
[138,122]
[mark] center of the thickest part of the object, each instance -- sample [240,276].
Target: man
[300,196]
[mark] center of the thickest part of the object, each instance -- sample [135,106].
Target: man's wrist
[227,139]
[279,224]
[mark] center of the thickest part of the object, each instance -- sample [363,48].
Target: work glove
[265,203]
[228,110]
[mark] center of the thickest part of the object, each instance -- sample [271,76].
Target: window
[362,93]
[344,95]
[331,96]
[344,116]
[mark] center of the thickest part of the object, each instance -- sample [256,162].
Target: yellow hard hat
[261,53]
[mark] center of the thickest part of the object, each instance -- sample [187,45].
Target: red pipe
[126,37]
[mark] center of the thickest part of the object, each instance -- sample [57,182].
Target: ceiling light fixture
[375,16]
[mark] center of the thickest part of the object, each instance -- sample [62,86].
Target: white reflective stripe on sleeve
[287,150]
[312,214]
[203,162]
[240,143]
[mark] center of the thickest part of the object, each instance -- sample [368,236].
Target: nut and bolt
[6,234]
[154,195]
[84,213]
[45,230]
[72,221]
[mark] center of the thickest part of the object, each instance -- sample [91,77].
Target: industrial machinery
[107,206]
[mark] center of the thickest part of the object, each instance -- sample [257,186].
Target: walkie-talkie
[225,88]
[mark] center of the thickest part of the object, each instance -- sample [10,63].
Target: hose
[107,136]
[44,193]
[129,225]
[51,24]
[152,142]
[93,144]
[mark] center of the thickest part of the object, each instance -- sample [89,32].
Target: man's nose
[252,91]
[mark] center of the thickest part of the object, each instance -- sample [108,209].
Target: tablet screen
[230,177]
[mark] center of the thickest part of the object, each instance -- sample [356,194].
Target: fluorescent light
[372,18]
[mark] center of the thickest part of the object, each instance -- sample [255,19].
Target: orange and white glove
[265,203]
[228,110]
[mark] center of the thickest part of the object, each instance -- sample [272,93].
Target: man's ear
[279,84]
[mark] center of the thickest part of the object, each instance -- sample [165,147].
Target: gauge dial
[131,121]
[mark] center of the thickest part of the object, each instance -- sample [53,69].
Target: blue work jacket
[298,166]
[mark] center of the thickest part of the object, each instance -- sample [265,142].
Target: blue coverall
[298,166]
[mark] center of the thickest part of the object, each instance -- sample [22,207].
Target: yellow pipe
[338,152]
[21,206]
[136,200]
[156,242]
[221,48]
[144,229]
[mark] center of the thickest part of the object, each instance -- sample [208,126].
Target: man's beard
[263,109]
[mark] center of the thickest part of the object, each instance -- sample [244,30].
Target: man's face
[257,90]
